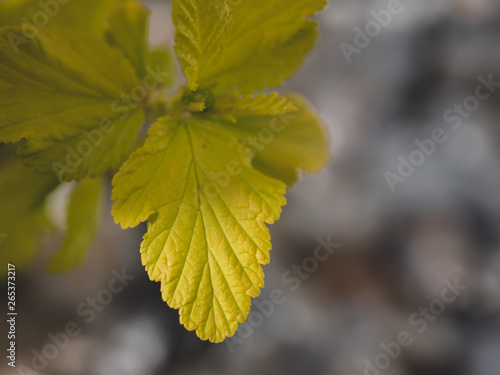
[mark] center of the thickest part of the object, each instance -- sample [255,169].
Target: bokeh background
[397,250]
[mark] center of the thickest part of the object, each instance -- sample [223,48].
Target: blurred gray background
[398,249]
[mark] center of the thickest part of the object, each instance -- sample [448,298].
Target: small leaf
[128,31]
[286,143]
[202,30]
[234,104]
[269,42]
[83,218]
[67,96]
[207,210]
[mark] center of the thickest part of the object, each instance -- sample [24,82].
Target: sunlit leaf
[206,208]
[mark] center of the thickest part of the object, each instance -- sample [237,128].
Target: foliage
[211,171]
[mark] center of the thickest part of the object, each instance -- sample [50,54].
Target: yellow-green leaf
[269,42]
[128,29]
[87,15]
[286,143]
[22,204]
[202,30]
[82,221]
[66,95]
[234,104]
[207,210]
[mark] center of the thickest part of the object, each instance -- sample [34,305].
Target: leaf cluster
[212,169]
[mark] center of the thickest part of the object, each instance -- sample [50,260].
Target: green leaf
[83,218]
[206,209]
[202,30]
[128,31]
[23,219]
[269,42]
[235,104]
[284,144]
[66,95]
[87,15]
